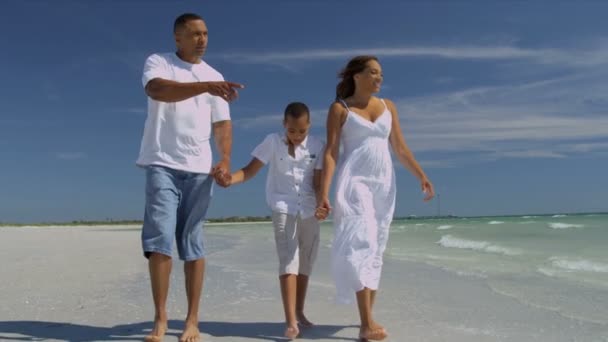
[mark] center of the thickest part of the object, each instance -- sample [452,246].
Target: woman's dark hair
[346,87]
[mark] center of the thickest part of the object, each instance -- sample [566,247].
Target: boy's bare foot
[292,332]
[375,332]
[377,326]
[159,330]
[303,320]
[191,333]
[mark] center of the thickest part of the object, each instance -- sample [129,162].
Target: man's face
[192,38]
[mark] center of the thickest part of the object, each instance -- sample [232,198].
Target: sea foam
[484,246]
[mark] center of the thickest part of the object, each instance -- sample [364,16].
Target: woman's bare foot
[375,332]
[191,333]
[292,332]
[303,320]
[159,330]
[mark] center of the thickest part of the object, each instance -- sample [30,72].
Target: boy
[292,187]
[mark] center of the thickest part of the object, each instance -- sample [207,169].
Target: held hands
[221,174]
[224,89]
[323,209]
[427,188]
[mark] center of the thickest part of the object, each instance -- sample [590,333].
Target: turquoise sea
[554,262]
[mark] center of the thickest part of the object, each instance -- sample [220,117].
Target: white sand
[91,284]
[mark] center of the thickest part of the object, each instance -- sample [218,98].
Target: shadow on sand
[267,331]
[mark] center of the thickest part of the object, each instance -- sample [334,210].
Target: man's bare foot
[303,320]
[160,328]
[375,332]
[191,332]
[292,332]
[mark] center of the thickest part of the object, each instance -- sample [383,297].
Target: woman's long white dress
[364,204]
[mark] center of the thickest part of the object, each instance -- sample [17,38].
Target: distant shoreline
[263,219]
[246,219]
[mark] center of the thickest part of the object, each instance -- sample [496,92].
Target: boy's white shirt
[289,184]
[177,134]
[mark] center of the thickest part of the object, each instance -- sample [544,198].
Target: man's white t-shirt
[176,135]
[289,184]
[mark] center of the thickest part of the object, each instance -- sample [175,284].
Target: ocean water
[556,262]
[571,248]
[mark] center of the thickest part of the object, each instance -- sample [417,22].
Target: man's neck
[189,59]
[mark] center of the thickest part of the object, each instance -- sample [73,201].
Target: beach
[91,284]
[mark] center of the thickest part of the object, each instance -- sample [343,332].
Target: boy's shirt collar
[302,145]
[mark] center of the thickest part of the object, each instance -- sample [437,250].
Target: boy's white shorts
[297,242]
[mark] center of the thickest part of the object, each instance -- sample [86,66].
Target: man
[187,100]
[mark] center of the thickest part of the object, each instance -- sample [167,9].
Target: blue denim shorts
[176,205]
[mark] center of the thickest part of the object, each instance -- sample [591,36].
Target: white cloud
[544,119]
[131,110]
[551,118]
[576,57]
[437,164]
[258,121]
[317,116]
[70,155]
[585,147]
[528,154]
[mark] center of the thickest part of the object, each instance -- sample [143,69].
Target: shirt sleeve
[155,67]
[320,156]
[265,150]
[220,111]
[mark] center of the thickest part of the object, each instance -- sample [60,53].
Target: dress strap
[344,104]
[385,106]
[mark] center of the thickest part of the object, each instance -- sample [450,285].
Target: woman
[363,126]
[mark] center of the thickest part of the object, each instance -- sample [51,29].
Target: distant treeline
[424,217]
[249,219]
[74,223]
[131,222]
[240,219]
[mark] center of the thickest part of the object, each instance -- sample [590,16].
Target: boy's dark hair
[183,19]
[296,110]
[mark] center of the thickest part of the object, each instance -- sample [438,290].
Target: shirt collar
[303,145]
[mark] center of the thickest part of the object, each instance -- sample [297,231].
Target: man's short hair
[183,19]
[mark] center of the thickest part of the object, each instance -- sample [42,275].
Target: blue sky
[505,104]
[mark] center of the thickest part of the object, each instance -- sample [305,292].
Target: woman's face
[370,79]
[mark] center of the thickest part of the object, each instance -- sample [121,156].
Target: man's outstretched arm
[171,91]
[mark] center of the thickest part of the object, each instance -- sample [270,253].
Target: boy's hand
[321,213]
[323,209]
[223,179]
[221,174]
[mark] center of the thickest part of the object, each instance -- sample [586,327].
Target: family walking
[188,105]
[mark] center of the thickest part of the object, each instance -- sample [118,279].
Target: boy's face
[296,129]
